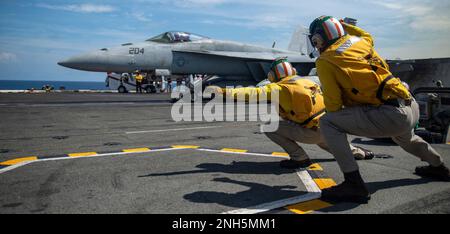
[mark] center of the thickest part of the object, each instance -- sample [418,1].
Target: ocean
[68,85]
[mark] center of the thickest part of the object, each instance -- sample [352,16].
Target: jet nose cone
[64,63]
[86,62]
[75,62]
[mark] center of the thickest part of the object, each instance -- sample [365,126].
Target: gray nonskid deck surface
[186,181]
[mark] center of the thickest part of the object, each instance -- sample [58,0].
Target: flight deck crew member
[138,77]
[301,106]
[169,85]
[363,98]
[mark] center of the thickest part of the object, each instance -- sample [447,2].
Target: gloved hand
[344,24]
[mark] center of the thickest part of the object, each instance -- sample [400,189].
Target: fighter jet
[189,53]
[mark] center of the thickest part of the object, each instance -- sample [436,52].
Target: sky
[36,34]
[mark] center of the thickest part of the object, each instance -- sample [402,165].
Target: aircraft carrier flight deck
[123,153]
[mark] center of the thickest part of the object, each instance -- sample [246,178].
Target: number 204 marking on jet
[137,50]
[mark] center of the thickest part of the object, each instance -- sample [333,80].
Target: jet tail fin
[300,41]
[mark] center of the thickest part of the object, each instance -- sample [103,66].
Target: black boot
[441,173]
[294,164]
[353,189]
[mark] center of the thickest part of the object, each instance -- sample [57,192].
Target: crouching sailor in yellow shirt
[300,107]
[363,98]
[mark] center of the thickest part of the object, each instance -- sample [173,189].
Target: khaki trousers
[289,133]
[375,122]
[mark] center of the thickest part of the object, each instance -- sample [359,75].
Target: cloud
[422,16]
[189,3]
[141,17]
[410,9]
[7,57]
[80,8]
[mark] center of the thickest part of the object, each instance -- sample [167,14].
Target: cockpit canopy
[176,37]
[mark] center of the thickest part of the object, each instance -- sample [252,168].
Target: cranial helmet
[281,69]
[327,29]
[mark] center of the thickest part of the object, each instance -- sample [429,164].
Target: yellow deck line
[185,146]
[325,183]
[234,150]
[18,160]
[308,207]
[280,154]
[86,154]
[315,167]
[137,150]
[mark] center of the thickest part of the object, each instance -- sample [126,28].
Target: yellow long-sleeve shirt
[258,94]
[139,78]
[299,99]
[334,80]
[358,32]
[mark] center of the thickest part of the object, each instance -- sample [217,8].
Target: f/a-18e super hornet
[188,53]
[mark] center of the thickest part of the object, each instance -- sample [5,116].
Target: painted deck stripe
[18,160]
[313,193]
[228,152]
[310,184]
[274,154]
[302,204]
[109,154]
[66,157]
[308,207]
[106,152]
[53,156]
[322,181]
[316,174]
[234,150]
[173,130]
[86,154]
[185,146]
[315,167]
[325,183]
[276,204]
[137,150]
[10,168]
[280,154]
[203,148]
[160,148]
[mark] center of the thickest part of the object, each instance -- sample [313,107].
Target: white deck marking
[173,130]
[9,168]
[313,193]
[276,204]
[253,154]
[309,183]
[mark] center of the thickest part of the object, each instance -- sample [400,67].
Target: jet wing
[396,66]
[415,64]
[242,55]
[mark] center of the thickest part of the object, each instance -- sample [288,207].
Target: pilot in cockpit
[180,37]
